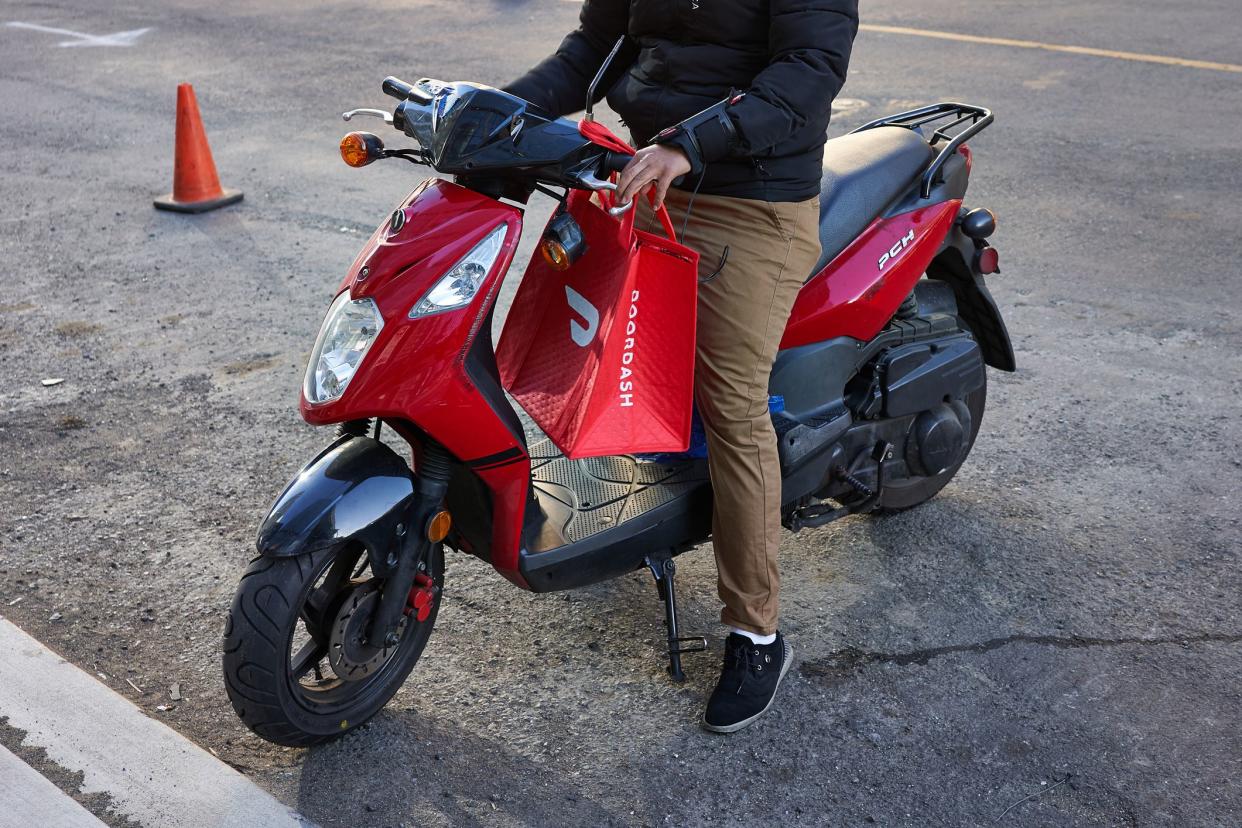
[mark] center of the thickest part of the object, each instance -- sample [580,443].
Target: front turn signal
[563,242]
[555,254]
[361,148]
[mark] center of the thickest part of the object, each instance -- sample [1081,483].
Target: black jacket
[746,88]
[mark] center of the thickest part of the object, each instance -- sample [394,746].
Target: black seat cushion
[864,172]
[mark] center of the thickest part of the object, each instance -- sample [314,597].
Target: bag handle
[597,133]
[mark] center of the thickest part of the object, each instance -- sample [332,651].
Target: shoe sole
[736,726]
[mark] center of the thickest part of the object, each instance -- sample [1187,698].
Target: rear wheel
[908,492]
[297,666]
[912,489]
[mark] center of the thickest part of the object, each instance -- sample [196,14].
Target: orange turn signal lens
[360,148]
[555,254]
[438,527]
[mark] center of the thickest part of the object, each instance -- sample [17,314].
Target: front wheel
[297,666]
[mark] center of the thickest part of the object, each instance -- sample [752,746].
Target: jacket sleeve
[809,47]
[559,83]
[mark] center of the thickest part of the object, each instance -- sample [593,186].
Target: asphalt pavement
[1054,640]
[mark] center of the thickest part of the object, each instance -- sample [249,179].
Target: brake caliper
[422,596]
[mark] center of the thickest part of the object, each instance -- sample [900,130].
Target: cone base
[169,203]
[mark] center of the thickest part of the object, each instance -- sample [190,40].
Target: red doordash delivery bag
[601,355]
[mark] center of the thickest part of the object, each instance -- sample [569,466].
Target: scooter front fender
[356,490]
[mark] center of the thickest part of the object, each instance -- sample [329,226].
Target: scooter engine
[937,438]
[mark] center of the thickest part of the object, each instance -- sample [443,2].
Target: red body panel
[861,289]
[415,370]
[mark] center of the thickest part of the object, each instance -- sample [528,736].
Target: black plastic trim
[356,490]
[975,304]
[480,365]
[675,526]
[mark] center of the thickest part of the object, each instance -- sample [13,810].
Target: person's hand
[653,166]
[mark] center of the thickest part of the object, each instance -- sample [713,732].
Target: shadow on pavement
[407,769]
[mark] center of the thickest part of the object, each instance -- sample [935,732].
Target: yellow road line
[1053,47]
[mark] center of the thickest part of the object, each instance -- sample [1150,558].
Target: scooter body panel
[421,370]
[858,292]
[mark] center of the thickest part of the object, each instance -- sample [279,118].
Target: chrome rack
[978,118]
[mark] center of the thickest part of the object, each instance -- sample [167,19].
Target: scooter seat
[864,172]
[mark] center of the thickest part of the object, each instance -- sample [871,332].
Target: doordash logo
[627,354]
[580,334]
[897,249]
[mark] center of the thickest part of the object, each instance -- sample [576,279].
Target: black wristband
[683,139]
[705,136]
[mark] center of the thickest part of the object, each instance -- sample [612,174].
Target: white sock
[755,637]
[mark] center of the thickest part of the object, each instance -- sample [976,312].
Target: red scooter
[881,371]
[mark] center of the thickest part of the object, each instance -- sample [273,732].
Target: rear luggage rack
[977,116]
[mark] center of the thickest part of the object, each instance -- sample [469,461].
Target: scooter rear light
[987,261]
[966,152]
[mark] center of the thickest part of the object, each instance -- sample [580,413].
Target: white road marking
[154,775]
[27,799]
[82,39]
[1139,57]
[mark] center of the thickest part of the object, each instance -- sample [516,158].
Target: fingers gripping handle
[617,155]
[592,182]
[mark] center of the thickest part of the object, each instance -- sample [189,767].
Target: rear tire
[271,599]
[914,491]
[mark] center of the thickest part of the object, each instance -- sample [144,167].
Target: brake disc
[351,656]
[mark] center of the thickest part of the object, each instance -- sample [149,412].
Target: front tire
[287,692]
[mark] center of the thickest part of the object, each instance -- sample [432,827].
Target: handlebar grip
[397,88]
[615,161]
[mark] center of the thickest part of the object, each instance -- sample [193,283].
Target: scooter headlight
[457,287]
[348,331]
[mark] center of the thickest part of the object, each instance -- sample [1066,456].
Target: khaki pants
[742,312]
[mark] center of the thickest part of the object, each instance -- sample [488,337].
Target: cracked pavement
[852,657]
[1067,609]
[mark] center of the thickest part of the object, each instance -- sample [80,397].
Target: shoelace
[745,658]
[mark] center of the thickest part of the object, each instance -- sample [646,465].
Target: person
[733,98]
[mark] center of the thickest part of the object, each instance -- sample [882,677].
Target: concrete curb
[154,775]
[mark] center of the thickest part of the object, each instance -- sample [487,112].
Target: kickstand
[665,572]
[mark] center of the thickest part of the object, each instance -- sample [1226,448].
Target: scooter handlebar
[615,161]
[397,88]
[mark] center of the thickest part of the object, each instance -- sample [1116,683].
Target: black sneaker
[748,682]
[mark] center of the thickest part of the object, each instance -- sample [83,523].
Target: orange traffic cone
[196,187]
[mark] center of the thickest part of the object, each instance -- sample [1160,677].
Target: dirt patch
[249,365]
[77,328]
[70,422]
[99,804]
